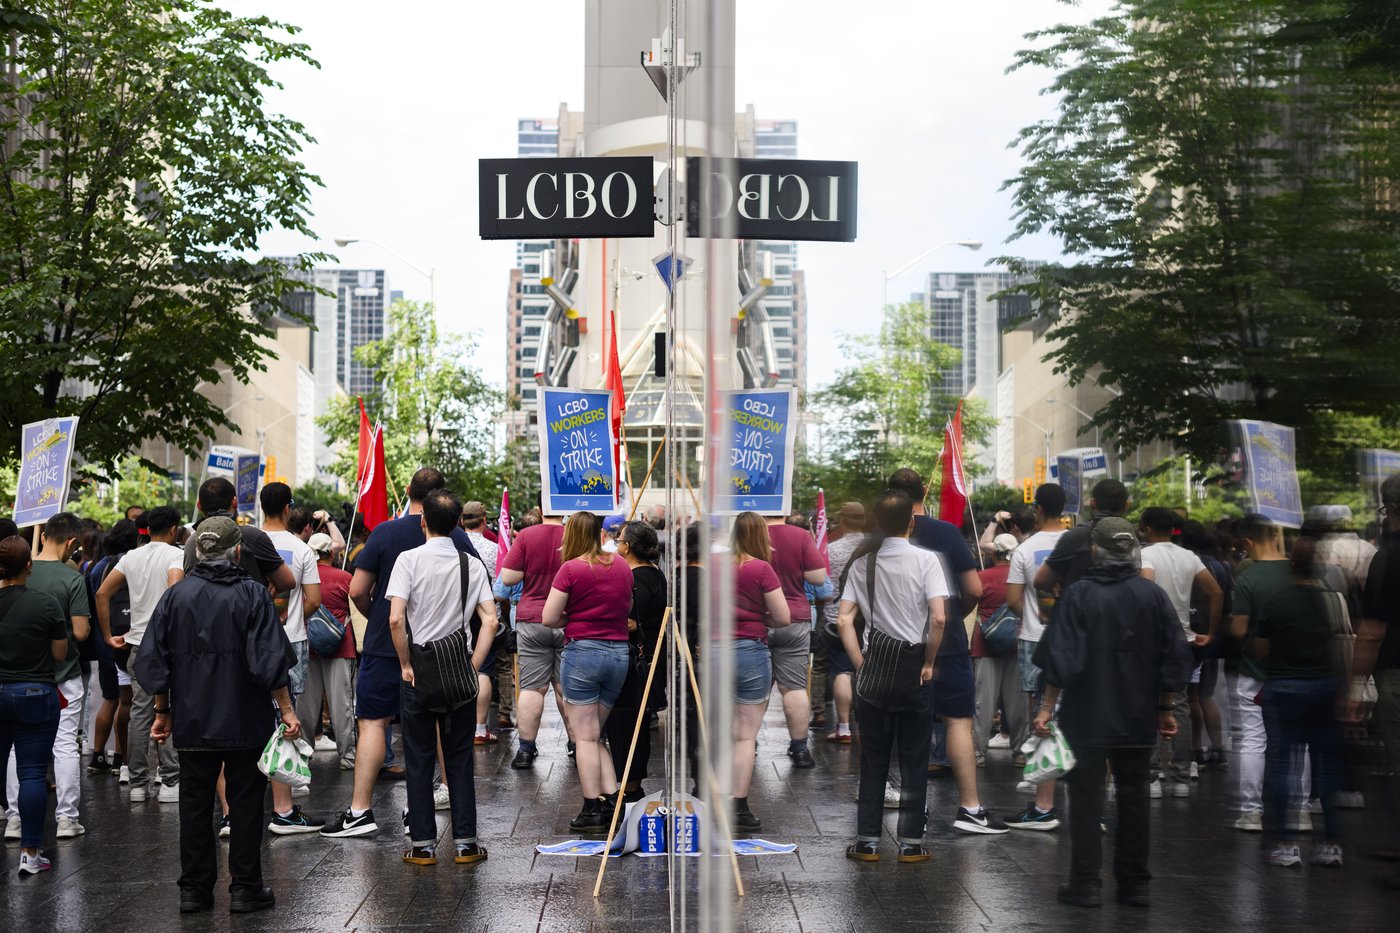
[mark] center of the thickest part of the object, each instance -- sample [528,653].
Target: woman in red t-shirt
[759,604]
[590,600]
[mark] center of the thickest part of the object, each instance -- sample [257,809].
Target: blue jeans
[29,723]
[594,671]
[1300,713]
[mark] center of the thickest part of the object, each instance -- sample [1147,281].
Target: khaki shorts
[540,650]
[791,647]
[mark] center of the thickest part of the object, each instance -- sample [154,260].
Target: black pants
[244,786]
[908,734]
[1086,794]
[420,729]
[618,731]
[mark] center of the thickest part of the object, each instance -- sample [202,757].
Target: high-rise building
[527,304]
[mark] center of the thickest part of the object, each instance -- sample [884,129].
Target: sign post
[576,461]
[45,462]
[762,435]
[239,466]
[1271,471]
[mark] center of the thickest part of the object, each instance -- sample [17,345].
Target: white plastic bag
[286,760]
[1047,756]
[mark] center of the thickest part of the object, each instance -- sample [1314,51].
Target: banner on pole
[45,462]
[1271,471]
[239,466]
[577,471]
[1070,470]
[760,452]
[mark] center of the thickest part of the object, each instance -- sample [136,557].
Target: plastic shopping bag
[1047,757]
[286,760]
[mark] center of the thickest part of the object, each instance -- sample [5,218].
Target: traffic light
[1028,490]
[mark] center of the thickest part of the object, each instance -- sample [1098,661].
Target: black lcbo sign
[771,199]
[524,199]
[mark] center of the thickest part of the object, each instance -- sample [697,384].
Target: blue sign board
[1071,473]
[1271,470]
[576,453]
[762,435]
[241,467]
[45,455]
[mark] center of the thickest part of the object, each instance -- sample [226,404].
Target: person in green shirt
[52,575]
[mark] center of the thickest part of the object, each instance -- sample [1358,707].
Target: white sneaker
[325,744]
[1314,805]
[441,801]
[302,791]
[1250,821]
[32,864]
[999,741]
[406,830]
[1026,787]
[1195,771]
[1181,789]
[139,793]
[1111,792]
[12,828]
[169,793]
[892,797]
[69,827]
[124,775]
[1154,790]
[1284,855]
[1328,855]
[1300,822]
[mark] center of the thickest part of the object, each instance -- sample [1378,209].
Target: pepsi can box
[651,829]
[686,824]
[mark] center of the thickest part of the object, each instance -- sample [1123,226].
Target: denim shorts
[1030,674]
[753,672]
[296,677]
[594,671]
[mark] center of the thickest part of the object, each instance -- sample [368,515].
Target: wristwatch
[161,712]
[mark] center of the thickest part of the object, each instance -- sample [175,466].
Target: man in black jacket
[1115,650]
[214,658]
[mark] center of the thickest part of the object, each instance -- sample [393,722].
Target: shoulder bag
[1000,631]
[443,675]
[889,679]
[325,632]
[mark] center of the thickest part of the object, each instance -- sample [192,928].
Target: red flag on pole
[822,528]
[952,497]
[619,399]
[372,486]
[503,531]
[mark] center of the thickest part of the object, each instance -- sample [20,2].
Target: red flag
[822,528]
[952,497]
[502,531]
[619,400]
[372,479]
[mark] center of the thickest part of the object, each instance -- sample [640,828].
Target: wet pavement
[1208,877]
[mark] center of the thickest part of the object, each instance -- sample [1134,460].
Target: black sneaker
[984,823]
[1079,897]
[589,819]
[117,764]
[294,823]
[802,758]
[1031,818]
[247,902]
[195,902]
[524,760]
[744,820]
[864,852]
[346,825]
[421,855]
[1134,894]
[573,749]
[100,765]
[468,852]
[912,852]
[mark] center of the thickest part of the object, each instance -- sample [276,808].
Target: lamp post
[430,274]
[887,277]
[1043,430]
[1087,417]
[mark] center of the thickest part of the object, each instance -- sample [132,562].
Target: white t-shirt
[145,569]
[906,578]
[1174,569]
[302,560]
[1024,563]
[430,578]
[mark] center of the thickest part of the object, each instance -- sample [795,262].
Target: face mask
[610,546]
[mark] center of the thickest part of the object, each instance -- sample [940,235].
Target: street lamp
[887,277]
[1087,417]
[1043,430]
[430,275]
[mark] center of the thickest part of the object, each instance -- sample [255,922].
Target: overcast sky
[410,95]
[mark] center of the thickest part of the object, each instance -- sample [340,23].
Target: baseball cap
[216,535]
[473,509]
[1005,543]
[320,542]
[852,512]
[613,522]
[1114,540]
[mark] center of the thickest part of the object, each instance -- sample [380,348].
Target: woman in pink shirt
[759,605]
[590,600]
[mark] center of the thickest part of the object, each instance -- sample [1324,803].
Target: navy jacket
[216,645]
[1114,645]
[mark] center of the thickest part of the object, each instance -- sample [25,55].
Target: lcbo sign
[749,199]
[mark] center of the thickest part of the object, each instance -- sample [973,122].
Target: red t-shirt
[752,580]
[335,596]
[535,553]
[794,553]
[993,598]
[600,598]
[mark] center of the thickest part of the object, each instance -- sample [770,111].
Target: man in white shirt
[295,605]
[146,572]
[910,590]
[1029,555]
[429,601]
[1178,572]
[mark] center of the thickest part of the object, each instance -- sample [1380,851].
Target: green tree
[107,501]
[139,168]
[1227,189]
[886,409]
[320,495]
[435,407]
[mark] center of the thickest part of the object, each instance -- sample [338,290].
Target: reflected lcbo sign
[771,199]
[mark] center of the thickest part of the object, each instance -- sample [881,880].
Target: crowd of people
[927,648]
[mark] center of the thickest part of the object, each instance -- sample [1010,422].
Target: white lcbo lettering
[501,201]
[530,196]
[607,195]
[803,204]
[583,194]
[833,190]
[746,194]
